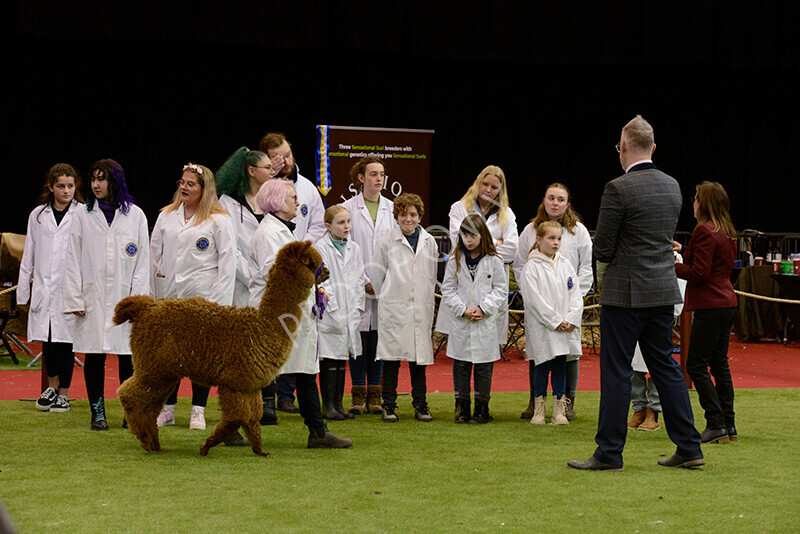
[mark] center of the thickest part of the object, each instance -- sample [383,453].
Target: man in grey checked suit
[638,215]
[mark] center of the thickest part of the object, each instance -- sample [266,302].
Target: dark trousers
[199,395]
[620,329]
[366,370]
[462,372]
[94,371]
[308,399]
[556,370]
[391,370]
[59,360]
[708,348]
[286,384]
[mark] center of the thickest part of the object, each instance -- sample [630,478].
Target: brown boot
[637,419]
[359,404]
[528,413]
[570,412]
[650,421]
[374,399]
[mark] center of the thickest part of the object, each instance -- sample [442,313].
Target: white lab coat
[552,294]
[244,226]
[41,274]
[473,341]
[507,251]
[404,282]
[367,234]
[104,265]
[576,249]
[310,218]
[188,260]
[268,239]
[339,337]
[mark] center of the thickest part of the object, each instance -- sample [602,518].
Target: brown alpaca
[239,350]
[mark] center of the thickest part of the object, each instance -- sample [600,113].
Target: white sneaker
[166,417]
[197,421]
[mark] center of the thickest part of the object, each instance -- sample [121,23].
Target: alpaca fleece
[239,350]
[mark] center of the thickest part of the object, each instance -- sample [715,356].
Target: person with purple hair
[108,258]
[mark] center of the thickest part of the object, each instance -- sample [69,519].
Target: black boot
[341,370]
[464,410]
[99,415]
[327,387]
[481,416]
[268,415]
[321,438]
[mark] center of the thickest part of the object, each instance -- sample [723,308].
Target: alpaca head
[305,262]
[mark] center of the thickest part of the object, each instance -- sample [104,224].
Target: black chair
[6,315]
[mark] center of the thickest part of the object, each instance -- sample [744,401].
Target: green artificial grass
[58,476]
[7,364]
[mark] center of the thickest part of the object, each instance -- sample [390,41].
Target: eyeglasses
[194,168]
[190,185]
[617,146]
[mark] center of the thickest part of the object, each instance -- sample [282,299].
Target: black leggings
[199,395]
[59,360]
[94,371]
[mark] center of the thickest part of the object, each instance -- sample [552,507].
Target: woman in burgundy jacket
[707,264]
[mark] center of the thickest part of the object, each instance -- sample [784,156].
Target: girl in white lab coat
[193,254]
[576,248]
[108,258]
[473,291]
[238,182]
[403,275]
[278,200]
[339,338]
[553,310]
[371,217]
[40,281]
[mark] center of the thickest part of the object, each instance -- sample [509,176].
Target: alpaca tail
[129,308]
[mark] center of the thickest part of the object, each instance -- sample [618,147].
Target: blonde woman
[193,254]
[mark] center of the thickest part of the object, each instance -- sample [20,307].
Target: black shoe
[481,416]
[464,411]
[714,435]
[732,435]
[61,405]
[236,440]
[592,464]
[421,413]
[321,438]
[288,407]
[388,414]
[268,415]
[46,400]
[99,424]
[676,460]
[124,422]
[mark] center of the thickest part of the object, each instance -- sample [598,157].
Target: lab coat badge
[131,249]
[569,283]
[202,244]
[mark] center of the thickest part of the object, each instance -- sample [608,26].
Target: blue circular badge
[202,244]
[131,249]
[569,283]
[304,210]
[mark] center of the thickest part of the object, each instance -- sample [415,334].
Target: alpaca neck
[281,305]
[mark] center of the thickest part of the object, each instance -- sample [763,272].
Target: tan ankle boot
[650,421]
[374,399]
[637,419]
[359,404]
[528,413]
[539,408]
[559,411]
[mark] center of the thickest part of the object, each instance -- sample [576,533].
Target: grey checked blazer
[638,215]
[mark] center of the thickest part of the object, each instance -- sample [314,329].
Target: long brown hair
[570,217]
[59,169]
[713,205]
[473,224]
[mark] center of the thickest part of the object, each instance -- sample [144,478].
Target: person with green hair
[238,181]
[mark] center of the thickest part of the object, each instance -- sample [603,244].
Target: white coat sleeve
[361,279]
[457,214]
[575,314]
[539,308]
[316,218]
[72,296]
[156,251]
[508,250]
[28,260]
[494,299]
[584,267]
[526,240]
[263,253]
[450,296]
[227,252]
[380,262]
[140,284]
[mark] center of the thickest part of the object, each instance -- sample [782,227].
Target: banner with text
[406,155]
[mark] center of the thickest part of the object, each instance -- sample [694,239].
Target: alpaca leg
[251,423]
[142,404]
[238,409]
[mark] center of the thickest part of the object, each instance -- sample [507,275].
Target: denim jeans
[554,369]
